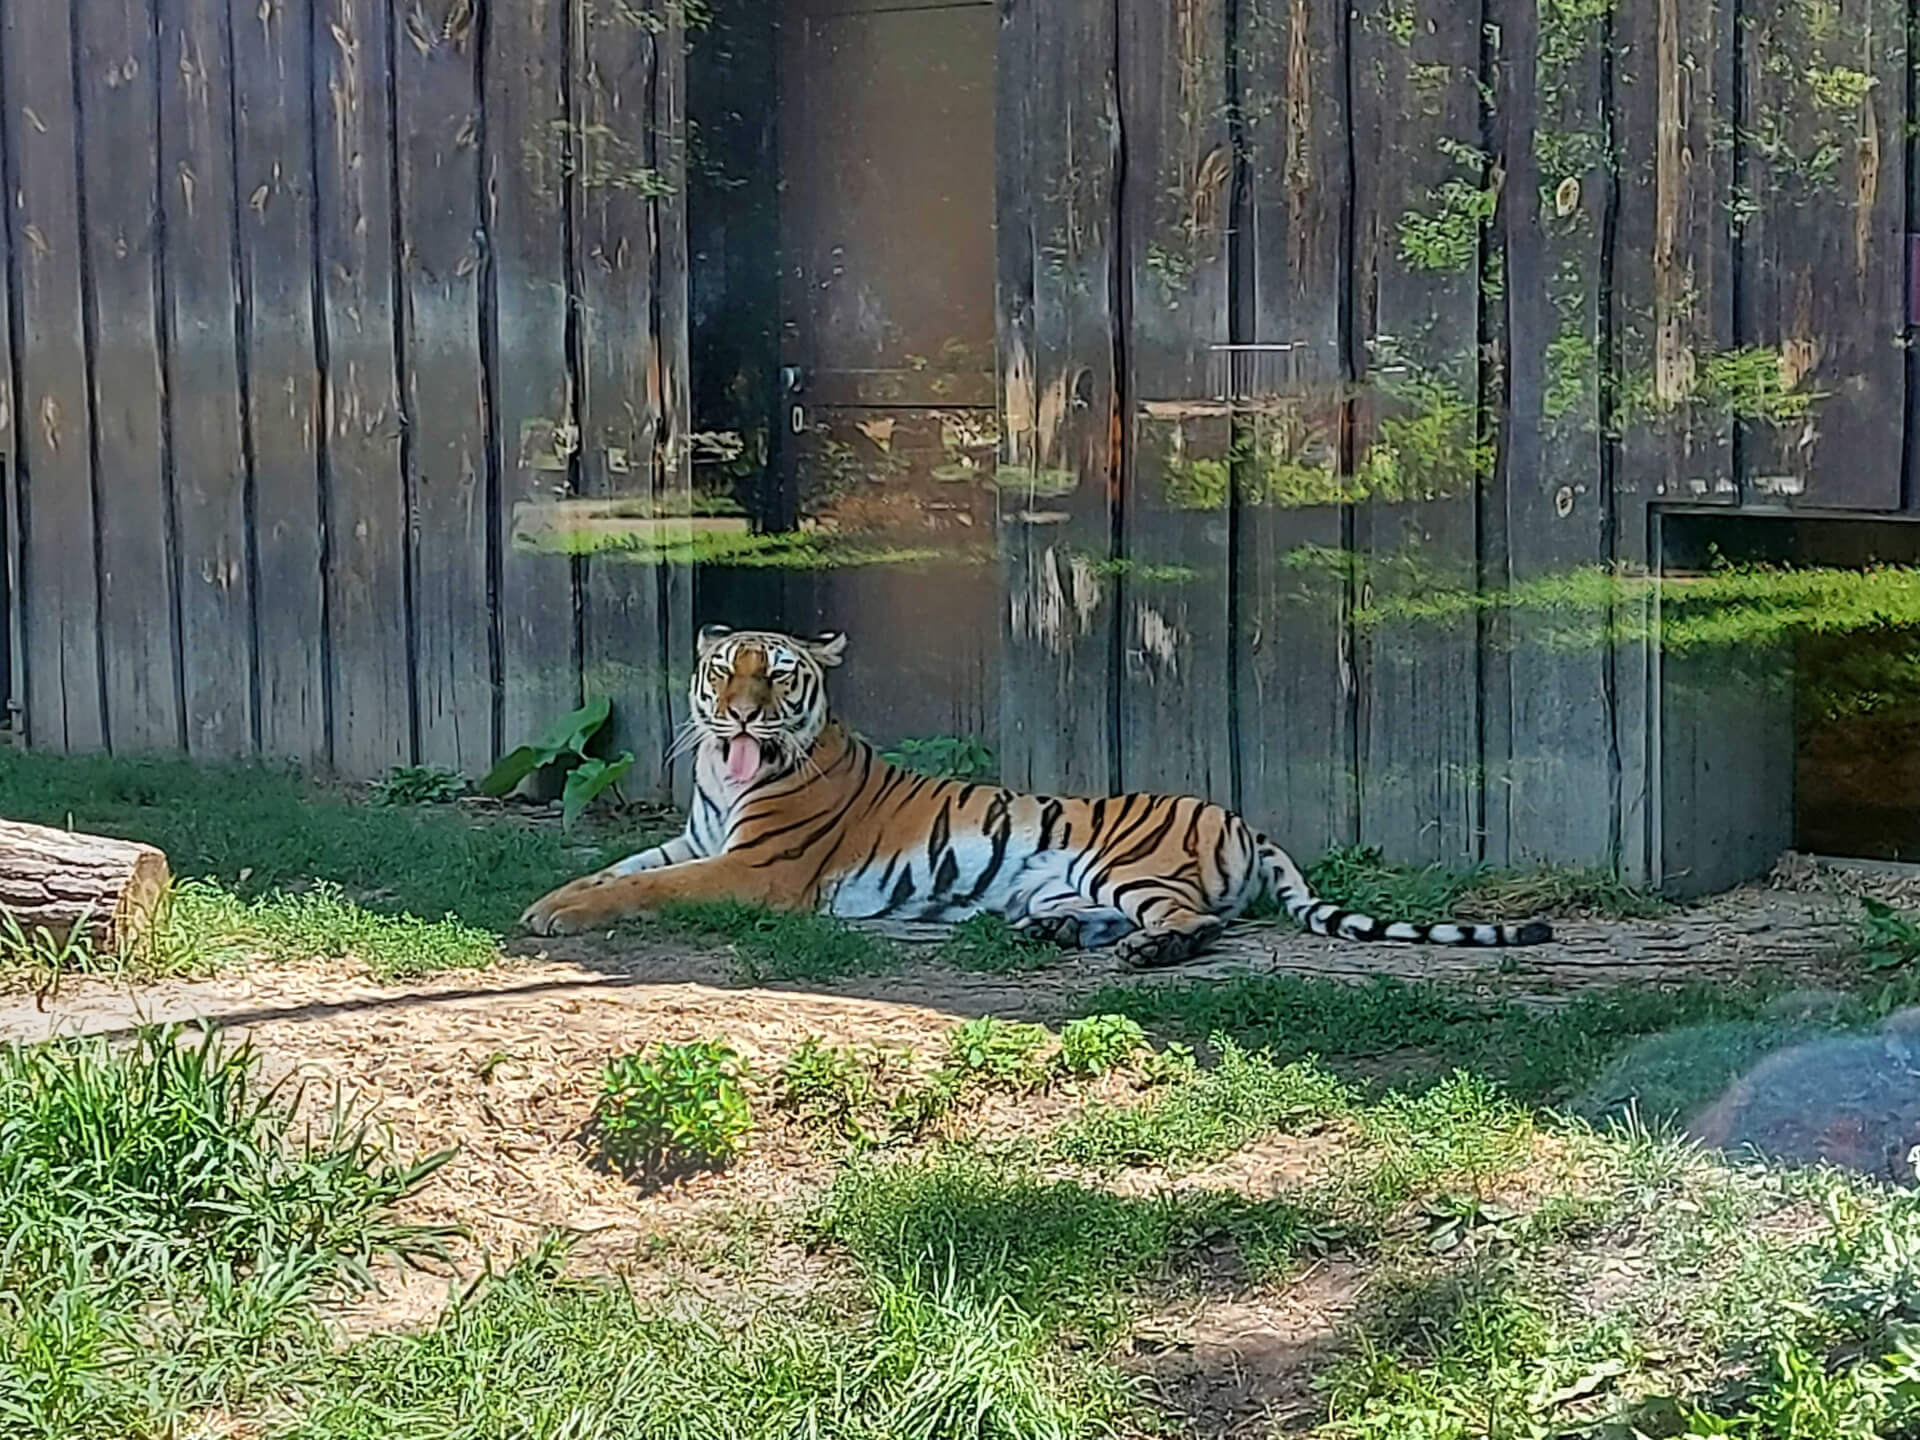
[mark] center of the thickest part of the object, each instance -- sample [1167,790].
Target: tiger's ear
[828,649]
[712,635]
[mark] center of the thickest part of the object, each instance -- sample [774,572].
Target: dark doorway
[877,512]
[1790,692]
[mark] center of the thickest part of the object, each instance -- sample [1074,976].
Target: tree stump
[52,879]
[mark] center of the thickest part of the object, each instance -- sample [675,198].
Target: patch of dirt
[1243,1365]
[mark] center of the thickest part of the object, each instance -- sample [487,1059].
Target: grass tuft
[169,1225]
[779,947]
[1206,1117]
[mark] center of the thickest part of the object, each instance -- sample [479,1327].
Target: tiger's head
[761,697]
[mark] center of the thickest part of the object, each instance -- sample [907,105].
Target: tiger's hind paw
[1158,949]
[1061,930]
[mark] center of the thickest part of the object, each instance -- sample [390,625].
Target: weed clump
[673,1110]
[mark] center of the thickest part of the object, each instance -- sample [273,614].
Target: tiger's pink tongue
[743,758]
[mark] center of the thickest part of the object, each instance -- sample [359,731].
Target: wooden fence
[307,302]
[1527,273]
[1350,356]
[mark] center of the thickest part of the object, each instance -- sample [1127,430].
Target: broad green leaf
[511,769]
[586,781]
[568,736]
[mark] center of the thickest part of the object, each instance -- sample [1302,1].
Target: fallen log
[53,879]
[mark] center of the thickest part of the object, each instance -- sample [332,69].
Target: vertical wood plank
[531,375]
[1058,140]
[452,454]
[138,600]
[369,604]
[281,346]
[1822,253]
[1555,803]
[673,280]
[1673,295]
[619,104]
[66,706]
[1294,720]
[211,481]
[13,677]
[1421,197]
[1176,698]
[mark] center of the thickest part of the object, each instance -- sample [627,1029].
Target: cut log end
[53,880]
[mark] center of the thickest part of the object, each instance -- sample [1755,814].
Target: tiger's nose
[743,713]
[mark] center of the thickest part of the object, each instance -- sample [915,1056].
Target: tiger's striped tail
[1323,917]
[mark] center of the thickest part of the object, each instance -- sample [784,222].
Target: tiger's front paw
[571,909]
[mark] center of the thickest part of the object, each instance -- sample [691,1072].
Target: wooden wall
[312,309]
[1348,350]
[1532,268]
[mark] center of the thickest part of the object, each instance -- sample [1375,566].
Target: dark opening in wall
[1790,687]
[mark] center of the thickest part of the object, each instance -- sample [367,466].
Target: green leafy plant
[419,785]
[946,757]
[998,1054]
[827,1084]
[674,1108]
[1096,1044]
[1888,939]
[564,747]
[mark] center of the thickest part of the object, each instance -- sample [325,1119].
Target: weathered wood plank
[533,389]
[1822,253]
[1294,720]
[66,701]
[1555,803]
[274,111]
[1176,699]
[121,205]
[1673,292]
[13,674]
[212,484]
[1422,197]
[452,452]
[369,605]
[1058,138]
[673,269]
[625,434]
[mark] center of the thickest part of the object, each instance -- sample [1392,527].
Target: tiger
[793,811]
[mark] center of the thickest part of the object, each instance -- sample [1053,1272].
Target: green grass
[1077,1258]
[988,945]
[1358,878]
[1542,1056]
[169,1227]
[781,947]
[1206,1117]
[269,864]
[532,1353]
[260,829]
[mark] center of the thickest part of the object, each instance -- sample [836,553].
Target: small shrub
[419,785]
[674,1108]
[1168,1066]
[826,1084]
[1096,1044]
[564,748]
[998,1054]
